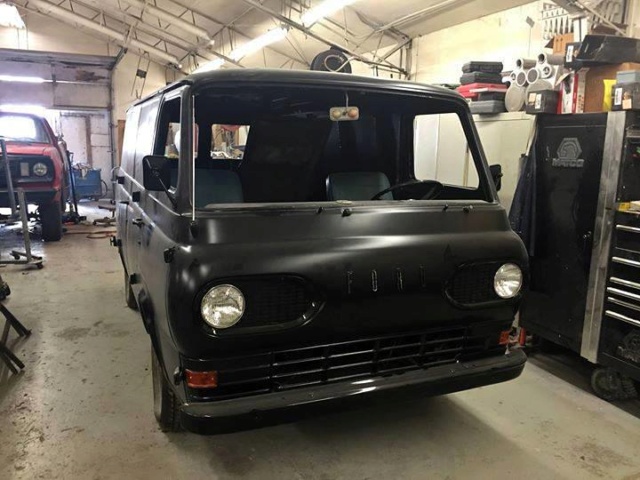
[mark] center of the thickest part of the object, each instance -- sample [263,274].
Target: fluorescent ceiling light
[17,78]
[322,10]
[272,36]
[210,66]
[10,17]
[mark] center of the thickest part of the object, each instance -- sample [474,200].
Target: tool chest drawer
[620,340]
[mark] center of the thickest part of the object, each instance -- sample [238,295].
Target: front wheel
[51,221]
[165,403]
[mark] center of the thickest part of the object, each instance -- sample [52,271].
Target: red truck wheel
[51,221]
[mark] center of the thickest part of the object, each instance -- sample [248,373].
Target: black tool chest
[585,265]
[620,334]
[569,151]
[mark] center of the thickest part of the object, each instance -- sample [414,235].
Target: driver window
[441,151]
[168,140]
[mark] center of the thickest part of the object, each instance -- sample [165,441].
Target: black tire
[165,403]
[629,388]
[51,221]
[128,294]
[611,385]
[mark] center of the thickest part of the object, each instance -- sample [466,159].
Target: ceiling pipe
[168,17]
[120,38]
[374,25]
[339,29]
[308,32]
[420,13]
[328,22]
[139,24]
[238,31]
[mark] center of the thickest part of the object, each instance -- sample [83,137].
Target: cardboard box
[570,54]
[594,88]
[572,92]
[628,76]
[544,101]
[560,43]
[625,96]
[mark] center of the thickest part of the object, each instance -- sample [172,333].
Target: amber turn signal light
[504,337]
[201,379]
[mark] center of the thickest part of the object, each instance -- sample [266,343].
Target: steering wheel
[415,189]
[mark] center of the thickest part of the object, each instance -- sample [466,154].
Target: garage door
[51,80]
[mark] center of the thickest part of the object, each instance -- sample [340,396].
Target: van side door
[137,218]
[126,184]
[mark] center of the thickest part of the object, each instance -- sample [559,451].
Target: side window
[441,151]
[168,137]
[129,141]
[146,130]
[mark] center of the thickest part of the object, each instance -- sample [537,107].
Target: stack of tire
[481,84]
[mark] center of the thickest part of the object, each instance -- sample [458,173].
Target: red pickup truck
[37,163]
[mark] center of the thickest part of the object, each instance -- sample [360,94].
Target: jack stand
[22,213]
[106,221]
[9,358]
[29,258]
[73,217]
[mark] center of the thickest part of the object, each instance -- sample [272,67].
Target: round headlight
[508,280]
[222,306]
[40,169]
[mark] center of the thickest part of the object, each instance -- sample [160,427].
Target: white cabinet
[504,138]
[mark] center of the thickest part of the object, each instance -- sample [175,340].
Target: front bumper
[273,408]
[38,196]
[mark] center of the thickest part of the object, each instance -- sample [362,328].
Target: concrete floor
[83,407]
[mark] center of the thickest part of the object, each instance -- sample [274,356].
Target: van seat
[357,186]
[215,187]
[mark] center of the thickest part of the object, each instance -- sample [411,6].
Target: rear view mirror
[496,175]
[341,114]
[156,174]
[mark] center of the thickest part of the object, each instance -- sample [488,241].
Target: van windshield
[293,146]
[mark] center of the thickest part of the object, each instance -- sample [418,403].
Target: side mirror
[156,175]
[496,175]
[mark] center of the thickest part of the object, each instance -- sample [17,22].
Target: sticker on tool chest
[617,97]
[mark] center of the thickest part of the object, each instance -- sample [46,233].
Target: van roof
[306,77]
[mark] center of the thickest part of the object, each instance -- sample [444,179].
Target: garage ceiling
[365,29]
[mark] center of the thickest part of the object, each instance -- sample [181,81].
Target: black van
[296,239]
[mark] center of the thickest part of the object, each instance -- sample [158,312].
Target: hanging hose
[72,183]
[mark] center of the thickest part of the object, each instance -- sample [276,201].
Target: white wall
[504,138]
[127,88]
[438,57]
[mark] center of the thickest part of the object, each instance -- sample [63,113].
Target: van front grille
[274,299]
[473,284]
[335,362]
